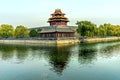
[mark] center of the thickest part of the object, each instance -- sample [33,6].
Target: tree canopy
[21,32]
[33,33]
[86,28]
[6,31]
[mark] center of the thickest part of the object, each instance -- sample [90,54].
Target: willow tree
[21,32]
[86,28]
[6,31]
[116,30]
[105,30]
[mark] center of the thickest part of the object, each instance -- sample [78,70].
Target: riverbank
[40,42]
[58,42]
[107,39]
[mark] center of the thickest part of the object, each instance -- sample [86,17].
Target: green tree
[21,32]
[109,29]
[116,30]
[106,30]
[102,32]
[33,33]
[86,28]
[6,31]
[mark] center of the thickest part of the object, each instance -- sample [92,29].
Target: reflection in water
[22,52]
[6,51]
[9,51]
[58,57]
[87,53]
[109,50]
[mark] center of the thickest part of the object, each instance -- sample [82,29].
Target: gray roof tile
[56,29]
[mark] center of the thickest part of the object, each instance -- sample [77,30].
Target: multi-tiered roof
[58,19]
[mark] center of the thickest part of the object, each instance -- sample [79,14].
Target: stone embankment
[59,42]
[95,40]
[40,41]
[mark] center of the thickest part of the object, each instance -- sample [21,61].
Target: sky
[35,13]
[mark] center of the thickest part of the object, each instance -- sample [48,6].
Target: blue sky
[34,13]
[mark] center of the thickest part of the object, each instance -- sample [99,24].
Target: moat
[98,61]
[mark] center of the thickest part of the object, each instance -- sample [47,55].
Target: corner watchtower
[58,18]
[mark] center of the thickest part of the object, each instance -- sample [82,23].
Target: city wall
[45,42]
[58,42]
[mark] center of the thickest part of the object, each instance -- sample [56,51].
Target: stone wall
[39,41]
[94,40]
[58,42]
[68,41]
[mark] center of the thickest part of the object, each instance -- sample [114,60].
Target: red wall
[58,23]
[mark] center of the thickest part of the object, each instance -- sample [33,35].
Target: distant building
[58,27]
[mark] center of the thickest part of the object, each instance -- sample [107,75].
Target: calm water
[99,61]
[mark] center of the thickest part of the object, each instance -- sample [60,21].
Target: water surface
[100,61]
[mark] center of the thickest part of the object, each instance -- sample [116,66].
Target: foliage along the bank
[7,31]
[89,29]
[21,32]
[33,33]
[86,28]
